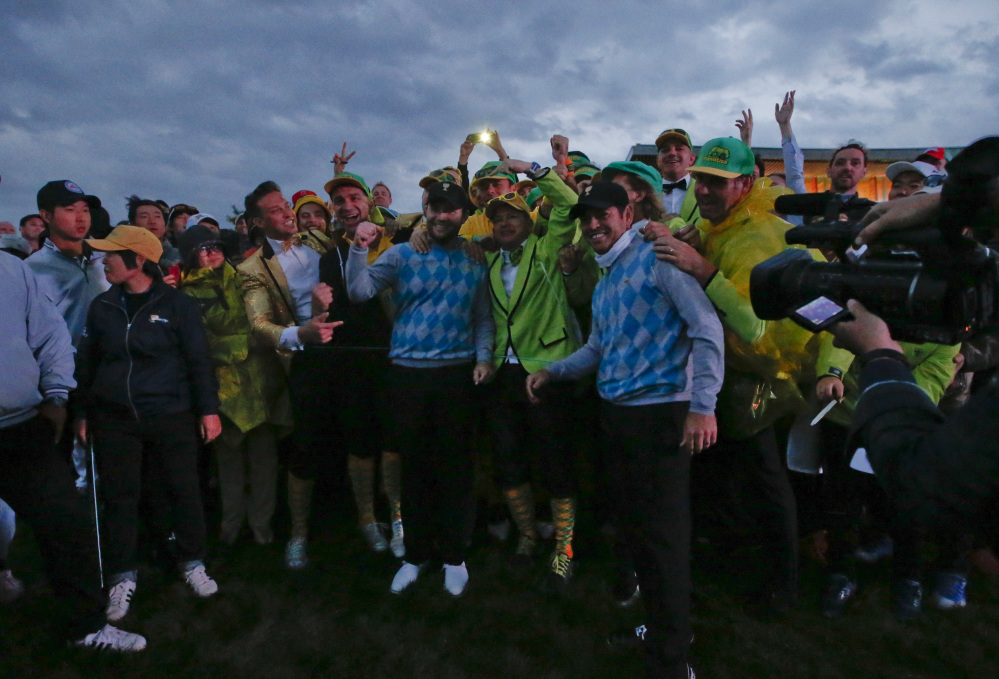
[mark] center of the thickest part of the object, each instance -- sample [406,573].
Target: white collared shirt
[673,200]
[508,274]
[300,264]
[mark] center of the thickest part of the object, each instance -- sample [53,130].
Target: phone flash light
[485,136]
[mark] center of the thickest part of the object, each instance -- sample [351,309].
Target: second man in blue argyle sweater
[657,348]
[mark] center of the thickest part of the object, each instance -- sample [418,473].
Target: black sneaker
[627,637]
[560,570]
[523,556]
[625,587]
[907,600]
[840,591]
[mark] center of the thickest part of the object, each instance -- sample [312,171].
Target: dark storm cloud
[198,102]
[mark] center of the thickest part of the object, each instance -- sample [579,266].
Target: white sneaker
[119,599]
[201,582]
[110,638]
[10,587]
[455,579]
[398,544]
[375,537]
[295,555]
[406,576]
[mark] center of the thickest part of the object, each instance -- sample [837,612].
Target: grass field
[337,619]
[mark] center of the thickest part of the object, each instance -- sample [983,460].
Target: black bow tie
[668,188]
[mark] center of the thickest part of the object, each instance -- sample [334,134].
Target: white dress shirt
[300,264]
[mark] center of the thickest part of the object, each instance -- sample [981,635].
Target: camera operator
[938,473]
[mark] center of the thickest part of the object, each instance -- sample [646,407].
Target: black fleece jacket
[157,364]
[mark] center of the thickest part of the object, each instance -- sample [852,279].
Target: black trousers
[434,412]
[756,467]
[154,460]
[522,428]
[38,485]
[648,481]
[337,398]
[847,493]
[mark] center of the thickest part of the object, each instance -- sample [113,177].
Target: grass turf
[337,620]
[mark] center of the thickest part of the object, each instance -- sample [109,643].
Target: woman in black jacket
[146,390]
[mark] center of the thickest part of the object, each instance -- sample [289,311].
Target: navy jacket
[159,364]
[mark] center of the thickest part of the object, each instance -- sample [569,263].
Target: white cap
[194,220]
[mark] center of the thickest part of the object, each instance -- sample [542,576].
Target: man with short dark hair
[442,342]
[847,167]
[650,321]
[70,278]
[769,357]
[31,227]
[278,280]
[150,216]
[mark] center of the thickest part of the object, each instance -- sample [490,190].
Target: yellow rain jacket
[777,350]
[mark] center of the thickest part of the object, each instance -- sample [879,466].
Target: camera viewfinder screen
[819,310]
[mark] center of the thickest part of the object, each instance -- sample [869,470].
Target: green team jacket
[932,365]
[536,320]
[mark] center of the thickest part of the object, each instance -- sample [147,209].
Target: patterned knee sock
[520,500]
[564,515]
[392,482]
[362,479]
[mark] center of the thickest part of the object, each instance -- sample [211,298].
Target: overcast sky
[198,102]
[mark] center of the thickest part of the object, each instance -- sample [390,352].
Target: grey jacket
[70,283]
[36,355]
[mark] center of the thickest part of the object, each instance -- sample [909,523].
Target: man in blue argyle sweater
[657,348]
[442,345]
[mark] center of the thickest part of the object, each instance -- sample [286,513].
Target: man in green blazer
[534,328]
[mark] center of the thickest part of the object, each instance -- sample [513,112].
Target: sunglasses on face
[209,248]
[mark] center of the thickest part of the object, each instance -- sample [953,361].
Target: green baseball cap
[584,170]
[347,179]
[488,171]
[646,173]
[726,157]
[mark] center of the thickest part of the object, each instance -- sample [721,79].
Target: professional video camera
[929,284]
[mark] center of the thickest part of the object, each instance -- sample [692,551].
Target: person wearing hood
[251,386]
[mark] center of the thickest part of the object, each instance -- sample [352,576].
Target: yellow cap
[127,237]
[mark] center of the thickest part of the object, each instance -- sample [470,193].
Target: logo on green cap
[718,155]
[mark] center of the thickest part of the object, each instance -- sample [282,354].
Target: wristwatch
[537,172]
[56,401]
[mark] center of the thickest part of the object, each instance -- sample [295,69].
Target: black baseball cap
[600,195]
[451,193]
[60,193]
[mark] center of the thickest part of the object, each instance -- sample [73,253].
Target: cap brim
[727,174]
[103,245]
[579,209]
[662,138]
[333,184]
[512,180]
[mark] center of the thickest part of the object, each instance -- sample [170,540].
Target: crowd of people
[401,345]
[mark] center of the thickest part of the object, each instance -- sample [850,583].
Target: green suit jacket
[535,320]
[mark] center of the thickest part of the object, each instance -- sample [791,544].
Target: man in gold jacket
[278,280]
